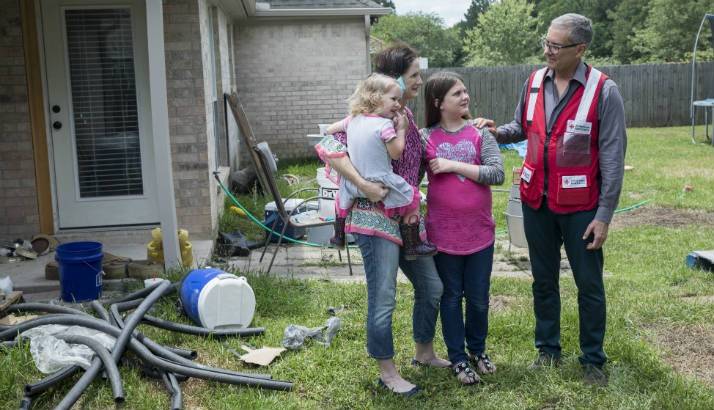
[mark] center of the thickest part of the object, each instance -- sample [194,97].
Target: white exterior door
[99,112]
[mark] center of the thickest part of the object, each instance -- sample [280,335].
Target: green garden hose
[287,238]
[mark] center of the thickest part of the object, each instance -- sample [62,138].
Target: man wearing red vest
[573,118]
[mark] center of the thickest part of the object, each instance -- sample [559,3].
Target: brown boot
[413,245]
[338,241]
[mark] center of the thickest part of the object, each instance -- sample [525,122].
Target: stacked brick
[18,199]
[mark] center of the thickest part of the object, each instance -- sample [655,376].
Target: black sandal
[463,367]
[482,363]
[410,393]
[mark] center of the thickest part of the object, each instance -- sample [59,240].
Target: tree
[477,8]
[469,21]
[424,32]
[627,17]
[669,31]
[506,34]
[596,11]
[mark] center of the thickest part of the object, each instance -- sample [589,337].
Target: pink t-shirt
[459,219]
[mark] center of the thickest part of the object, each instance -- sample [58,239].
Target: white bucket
[514,219]
[327,189]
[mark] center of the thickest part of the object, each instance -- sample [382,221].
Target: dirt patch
[689,350]
[687,172]
[500,303]
[666,217]
[707,299]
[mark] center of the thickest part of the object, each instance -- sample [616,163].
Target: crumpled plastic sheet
[6,285]
[51,354]
[295,336]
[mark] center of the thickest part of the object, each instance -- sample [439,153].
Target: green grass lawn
[649,292]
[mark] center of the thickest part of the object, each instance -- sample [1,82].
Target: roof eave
[324,12]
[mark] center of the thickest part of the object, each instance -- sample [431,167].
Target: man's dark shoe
[594,375]
[545,360]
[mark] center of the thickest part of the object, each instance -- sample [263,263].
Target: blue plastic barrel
[80,269]
[191,288]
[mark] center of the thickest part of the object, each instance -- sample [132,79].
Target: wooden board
[10,299]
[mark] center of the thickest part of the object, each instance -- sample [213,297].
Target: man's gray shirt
[612,139]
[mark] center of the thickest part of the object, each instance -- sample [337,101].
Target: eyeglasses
[555,48]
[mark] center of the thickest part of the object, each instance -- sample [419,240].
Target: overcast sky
[452,11]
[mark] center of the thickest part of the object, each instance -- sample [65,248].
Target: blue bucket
[191,288]
[80,269]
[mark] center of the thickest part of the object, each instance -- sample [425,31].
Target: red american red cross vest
[572,165]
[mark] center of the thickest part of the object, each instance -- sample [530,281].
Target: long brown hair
[394,60]
[435,90]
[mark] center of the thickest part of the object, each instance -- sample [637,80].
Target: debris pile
[169,364]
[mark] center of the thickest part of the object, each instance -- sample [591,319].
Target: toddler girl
[462,163]
[372,142]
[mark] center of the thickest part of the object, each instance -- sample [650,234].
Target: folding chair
[265,171]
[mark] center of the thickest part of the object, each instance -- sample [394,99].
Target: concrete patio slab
[304,262]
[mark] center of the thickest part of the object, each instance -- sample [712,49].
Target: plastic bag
[295,336]
[6,285]
[333,326]
[51,354]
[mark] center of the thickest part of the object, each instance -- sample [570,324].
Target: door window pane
[106,126]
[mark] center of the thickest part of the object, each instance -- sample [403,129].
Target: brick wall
[18,199]
[294,74]
[191,96]
[187,115]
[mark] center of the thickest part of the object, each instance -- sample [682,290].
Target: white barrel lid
[226,300]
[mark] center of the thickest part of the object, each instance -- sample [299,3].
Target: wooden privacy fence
[655,95]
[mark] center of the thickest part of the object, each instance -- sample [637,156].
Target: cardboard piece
[262,357]
[11,319]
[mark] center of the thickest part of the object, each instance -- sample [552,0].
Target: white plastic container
[514,219]
[215,299]
[327,189]
[227,300]
[290,204]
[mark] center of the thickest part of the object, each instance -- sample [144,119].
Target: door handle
[57,125]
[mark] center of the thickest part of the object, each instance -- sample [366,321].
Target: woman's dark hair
[435,90]
[394,60]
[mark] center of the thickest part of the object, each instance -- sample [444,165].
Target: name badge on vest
[578,127]
[526,174]
[575,181]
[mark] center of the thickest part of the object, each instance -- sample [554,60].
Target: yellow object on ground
[237,211]
[155,251]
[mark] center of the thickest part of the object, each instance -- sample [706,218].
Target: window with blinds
[102,82]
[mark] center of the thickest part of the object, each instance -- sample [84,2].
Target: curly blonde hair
[367,98]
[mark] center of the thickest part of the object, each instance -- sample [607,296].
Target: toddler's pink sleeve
[387,133]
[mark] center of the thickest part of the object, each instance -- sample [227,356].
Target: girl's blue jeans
[465,277]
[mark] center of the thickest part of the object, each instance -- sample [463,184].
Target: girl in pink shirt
[462,163]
